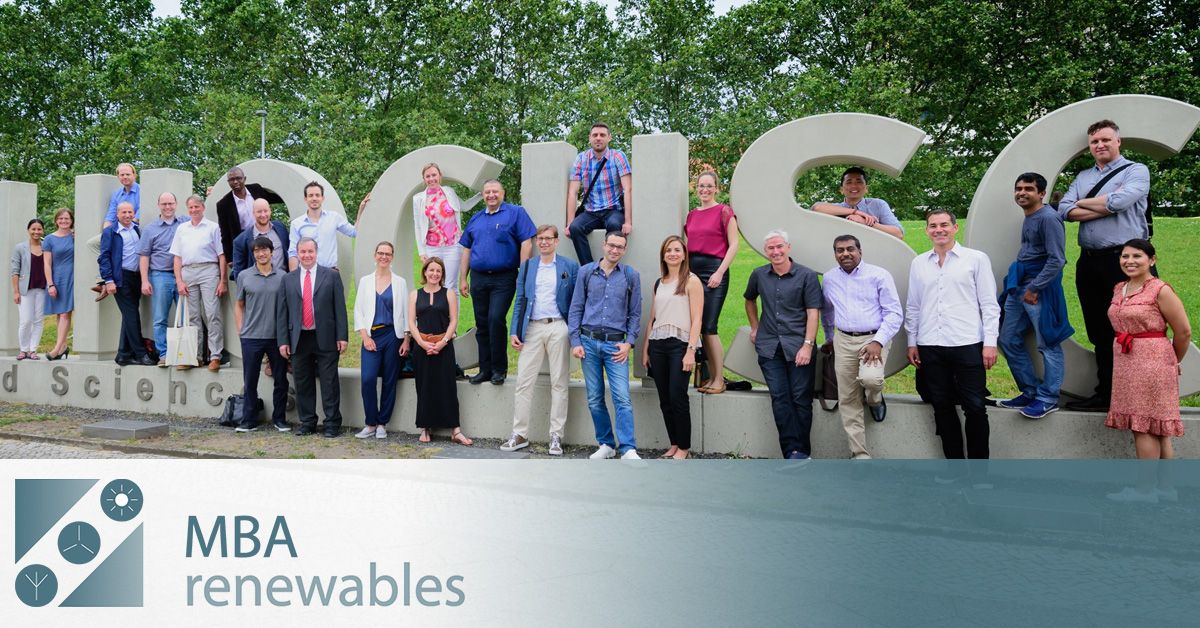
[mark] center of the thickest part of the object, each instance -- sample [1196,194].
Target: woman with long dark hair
[432,319]
[29,289]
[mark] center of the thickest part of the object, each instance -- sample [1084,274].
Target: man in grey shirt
[157,267]
[1109,202]
[259,289]
[786,339]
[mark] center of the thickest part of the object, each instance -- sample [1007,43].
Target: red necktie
[307,311]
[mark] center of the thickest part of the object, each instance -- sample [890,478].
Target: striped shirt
[607,192]
[865,299]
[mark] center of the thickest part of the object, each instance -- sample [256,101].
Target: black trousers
[666,367]
[1096,273]
[956,376]
[128,296]
[491,297]
[309,363]
[253,350]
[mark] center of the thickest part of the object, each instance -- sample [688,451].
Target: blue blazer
[243,249]
[111,251]
[568,271]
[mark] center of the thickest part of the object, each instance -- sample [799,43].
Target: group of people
[593,309]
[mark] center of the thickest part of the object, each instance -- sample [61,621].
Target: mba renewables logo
[76,546]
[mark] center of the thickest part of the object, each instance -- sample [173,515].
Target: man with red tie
[311,329]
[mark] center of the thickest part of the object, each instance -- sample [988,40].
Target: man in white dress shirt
[200,275]
[862,304]
[953,319]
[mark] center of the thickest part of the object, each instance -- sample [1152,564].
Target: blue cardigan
[111,254]
[567,270]
[1054,325]
[243,247]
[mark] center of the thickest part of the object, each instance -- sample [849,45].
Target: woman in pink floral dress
[437,221]
[1145,397]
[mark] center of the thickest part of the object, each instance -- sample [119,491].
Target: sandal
[424,437]
[32,356]
[22,355]
[714,390]
[461,438]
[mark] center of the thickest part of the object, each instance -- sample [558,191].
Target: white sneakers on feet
[555,445]
[367,432]
[631,454]
[514,442]
[380,433]
[603,453]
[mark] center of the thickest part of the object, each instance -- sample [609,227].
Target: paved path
[25,449]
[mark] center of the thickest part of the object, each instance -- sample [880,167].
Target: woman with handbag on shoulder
[670,343]
[432,319]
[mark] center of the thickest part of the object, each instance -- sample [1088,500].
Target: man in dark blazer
[273,230]
[312,331]
[119,264]
[234,210]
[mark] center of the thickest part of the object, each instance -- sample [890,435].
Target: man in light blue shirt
[157,268]
[129,192]
[1109,202]
[858,207]
[320,225]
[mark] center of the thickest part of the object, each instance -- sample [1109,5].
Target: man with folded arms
[858,207]
[200,274]
[862,304]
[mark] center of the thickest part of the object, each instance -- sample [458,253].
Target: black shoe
[498,378]
[146,360]
[282,426]
[879,412]
[458,372]
[306,430]
[224,357]
[1095,403]
[333,432]
[480,378]
[125,361]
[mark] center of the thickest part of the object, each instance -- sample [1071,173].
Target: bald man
[263,225]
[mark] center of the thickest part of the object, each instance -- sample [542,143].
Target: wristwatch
[811,343]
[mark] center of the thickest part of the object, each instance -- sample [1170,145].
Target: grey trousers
[201,280]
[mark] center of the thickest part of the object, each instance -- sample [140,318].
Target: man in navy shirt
[495,242]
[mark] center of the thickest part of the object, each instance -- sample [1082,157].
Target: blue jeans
[598,360]
[165,295]
[587,222]
[791,389]
[1019,316]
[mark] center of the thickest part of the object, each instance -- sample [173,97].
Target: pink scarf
[443,224]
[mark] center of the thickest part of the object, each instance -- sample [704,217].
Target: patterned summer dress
[1145,395]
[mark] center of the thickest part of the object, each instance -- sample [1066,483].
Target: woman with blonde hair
[437,223]
[59,262]
[712,243]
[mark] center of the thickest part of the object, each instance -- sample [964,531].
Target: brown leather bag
[829,386]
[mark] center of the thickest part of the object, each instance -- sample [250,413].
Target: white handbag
[182,339]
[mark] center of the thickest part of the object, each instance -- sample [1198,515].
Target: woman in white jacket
[29,285]
[437,220]
[381,319]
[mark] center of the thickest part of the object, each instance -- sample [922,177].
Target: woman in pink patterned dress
[1145,397]
[437,222]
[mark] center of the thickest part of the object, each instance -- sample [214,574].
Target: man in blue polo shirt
[495,242]
[856,206]
[607,201]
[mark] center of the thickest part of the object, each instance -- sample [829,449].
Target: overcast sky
[168,8]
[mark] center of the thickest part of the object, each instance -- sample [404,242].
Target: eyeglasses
[546,239]
[383,254]
[615,247]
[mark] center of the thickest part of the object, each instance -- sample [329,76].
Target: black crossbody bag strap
[1108,177]
[591,186]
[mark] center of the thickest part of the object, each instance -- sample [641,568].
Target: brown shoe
[98,287]
[184,367]
[103,293]
[162,364]
[214,365]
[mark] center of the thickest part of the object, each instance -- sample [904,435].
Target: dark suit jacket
[329,309]
[227,215]
[111,251]
[243,246]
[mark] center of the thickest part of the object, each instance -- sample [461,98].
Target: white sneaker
[380,433]
[1130,494]
[555,445]
[603,453]
[367,432]
[631,455]
[514,442]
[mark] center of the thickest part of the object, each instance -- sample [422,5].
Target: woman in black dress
[432,319]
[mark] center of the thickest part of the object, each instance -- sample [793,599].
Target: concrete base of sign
[123,429]
[734,423]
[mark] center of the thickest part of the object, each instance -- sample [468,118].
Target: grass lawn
[1173,238]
